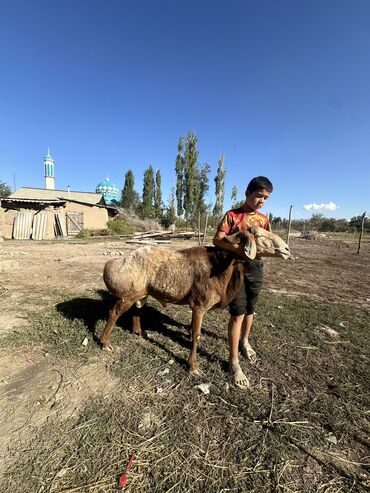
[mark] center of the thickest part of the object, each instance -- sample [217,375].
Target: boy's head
[257,192]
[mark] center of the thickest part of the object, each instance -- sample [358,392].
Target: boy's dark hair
[258,183]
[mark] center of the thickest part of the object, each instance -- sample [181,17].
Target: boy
[242,307]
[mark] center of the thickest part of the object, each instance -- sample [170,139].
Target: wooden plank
[149,242]
[63,226]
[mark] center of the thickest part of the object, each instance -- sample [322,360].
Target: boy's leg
[234,329]
[246,349]
[233,337]
[253,285]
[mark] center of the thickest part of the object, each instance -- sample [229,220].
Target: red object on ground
[123,478]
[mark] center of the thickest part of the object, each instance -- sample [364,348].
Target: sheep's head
[259,241]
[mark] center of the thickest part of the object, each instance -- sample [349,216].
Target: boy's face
[255,200]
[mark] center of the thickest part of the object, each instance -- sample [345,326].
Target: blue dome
[109,191]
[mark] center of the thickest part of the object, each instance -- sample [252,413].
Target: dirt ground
[39,385]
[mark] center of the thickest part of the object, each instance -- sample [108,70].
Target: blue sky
[281,87]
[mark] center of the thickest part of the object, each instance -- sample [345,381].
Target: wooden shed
[39,213]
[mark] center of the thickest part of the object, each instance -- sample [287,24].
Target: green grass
[306,387]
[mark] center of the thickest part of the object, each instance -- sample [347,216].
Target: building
[46,213]
[109,191]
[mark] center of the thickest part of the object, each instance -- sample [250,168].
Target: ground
[72,415]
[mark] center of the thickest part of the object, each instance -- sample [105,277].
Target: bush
[122,227]
[84,233]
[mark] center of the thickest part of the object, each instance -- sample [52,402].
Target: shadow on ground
[92,310]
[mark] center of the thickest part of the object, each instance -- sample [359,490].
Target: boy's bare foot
[248,352]
[240,380]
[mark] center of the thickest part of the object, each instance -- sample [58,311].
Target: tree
[130,198]
[180,162]
[191,183]
[158,195]
[203,187]
[219,188]
[169,216]
[277,222]
[5,190]
[355,223]
[147,206]
[234,194]
[315,221]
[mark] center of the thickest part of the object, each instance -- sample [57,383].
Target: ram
[201,277]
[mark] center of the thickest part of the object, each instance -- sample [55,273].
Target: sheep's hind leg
[196,328]
[119,308]
[136,326]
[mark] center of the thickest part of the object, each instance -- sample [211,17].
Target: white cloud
[330,206]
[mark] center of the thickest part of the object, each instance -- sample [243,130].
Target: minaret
[49,172]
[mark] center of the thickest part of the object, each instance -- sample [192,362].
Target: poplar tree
[158,195]
[180,177]
[147,206]
[129,197]
[191,174]
[170,215]
[203,181]
[234,194]
[219,188]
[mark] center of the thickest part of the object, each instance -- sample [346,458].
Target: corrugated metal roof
[39,226]
[22,226]
[36,201]
[39,194]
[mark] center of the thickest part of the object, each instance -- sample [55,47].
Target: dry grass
[307,388]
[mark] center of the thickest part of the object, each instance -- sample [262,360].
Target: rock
[332,439]
[204,387]
[328,330]
[149,420]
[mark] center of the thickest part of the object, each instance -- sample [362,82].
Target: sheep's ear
[235,238]
[250,249]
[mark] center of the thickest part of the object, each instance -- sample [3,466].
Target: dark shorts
[246,298]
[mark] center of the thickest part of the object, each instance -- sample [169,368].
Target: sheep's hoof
[107,347]
[196,371]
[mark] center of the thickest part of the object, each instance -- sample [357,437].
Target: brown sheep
[201,277]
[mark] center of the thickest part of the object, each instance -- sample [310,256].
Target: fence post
[205,230]
[290,220]
[198,228]
[361,232]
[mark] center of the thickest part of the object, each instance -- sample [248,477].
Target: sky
[280,87]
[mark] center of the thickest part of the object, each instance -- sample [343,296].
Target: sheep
[202,277]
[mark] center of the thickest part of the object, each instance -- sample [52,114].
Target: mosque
[46,213]
[106,188]
[109,191]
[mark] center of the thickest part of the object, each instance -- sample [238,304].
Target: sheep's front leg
[119,308]
[197,319]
